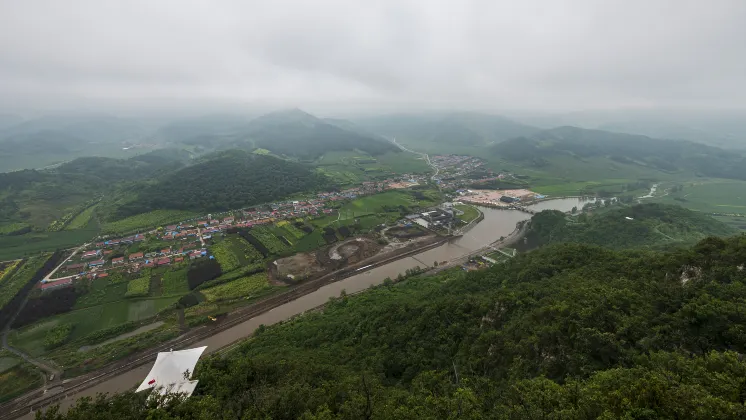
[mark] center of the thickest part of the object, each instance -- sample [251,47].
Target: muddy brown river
[496,223]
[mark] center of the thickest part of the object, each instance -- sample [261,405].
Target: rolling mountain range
[293,133]
[627,149]
[463,128]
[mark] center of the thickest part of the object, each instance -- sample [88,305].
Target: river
[496,223]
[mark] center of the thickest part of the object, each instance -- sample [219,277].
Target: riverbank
[41,398]
[495,224]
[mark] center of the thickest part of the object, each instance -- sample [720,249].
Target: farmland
[16,376]
[35,242]
[273,244]
[102,291]
[174,283]
[223,252]
[7,269]
[709,195]
[138,287]
[82,219]
[86,321]
[244,287]
[20,278]
[146,220]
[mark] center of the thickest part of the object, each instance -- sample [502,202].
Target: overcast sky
[344,54]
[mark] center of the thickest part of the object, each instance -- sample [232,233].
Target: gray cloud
[494,55]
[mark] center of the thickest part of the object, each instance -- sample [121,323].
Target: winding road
[424,155]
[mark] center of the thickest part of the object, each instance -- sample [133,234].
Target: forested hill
[298,134]
[649,225]
[222,181]
[663,155]
[565,332]
[462,128]
[35,198]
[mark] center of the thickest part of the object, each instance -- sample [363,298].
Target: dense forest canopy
[225,180]
[642,225]
[568,331]
[665,155]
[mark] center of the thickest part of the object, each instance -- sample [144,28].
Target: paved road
[51,273]
[425,155]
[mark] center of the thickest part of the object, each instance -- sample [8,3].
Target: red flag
[151,382]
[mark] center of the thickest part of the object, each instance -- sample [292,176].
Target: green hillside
[623,151]
[436,131]
[222,181]
[36,198]
[297,134]
[643,225]
[565,332]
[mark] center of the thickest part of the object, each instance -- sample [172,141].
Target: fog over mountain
[331,56]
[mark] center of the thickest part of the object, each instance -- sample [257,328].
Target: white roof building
[168,374]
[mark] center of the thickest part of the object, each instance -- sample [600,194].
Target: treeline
[53,302]
[7,311]
[224,181]
[201,271]
[565,332]
[641,225]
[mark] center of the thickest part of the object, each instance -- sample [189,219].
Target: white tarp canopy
[168,372]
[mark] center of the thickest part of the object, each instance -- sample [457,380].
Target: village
[178,244]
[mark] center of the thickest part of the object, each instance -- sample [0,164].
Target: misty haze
[372,210]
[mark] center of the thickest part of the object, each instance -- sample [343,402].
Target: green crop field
[710,195]
[375,203]
[16,376]
[138,287]
[404,163]
[310,242]
[290,231]
[32,243]
[12,227]
[82,220]
[20,278]
[268,239]
[146,220]
[245,287]
[85,321]
[174,283]
[102,290]
[223,252]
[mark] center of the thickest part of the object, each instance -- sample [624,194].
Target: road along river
[496,223]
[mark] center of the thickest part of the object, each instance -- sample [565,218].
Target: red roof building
[135,256]
[119,260]
[75,266]
[54,284]
[163,261]
[102,275]
[178,259]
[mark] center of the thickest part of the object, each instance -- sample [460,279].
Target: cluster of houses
[95,259]
[195,232]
